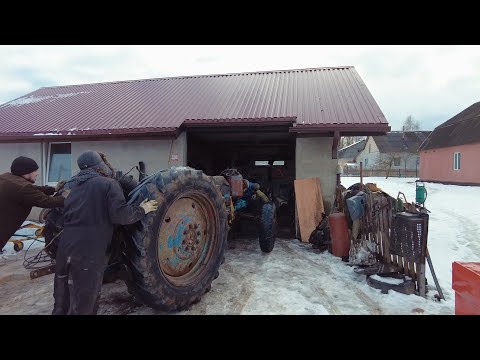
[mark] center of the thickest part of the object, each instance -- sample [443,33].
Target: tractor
[169,259]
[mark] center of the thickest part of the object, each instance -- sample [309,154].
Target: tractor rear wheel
[174,254]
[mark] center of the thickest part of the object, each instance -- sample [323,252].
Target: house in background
[210,122]
[395,153]
[348,154]
[450,155]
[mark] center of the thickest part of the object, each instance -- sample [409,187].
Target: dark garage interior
[261,155]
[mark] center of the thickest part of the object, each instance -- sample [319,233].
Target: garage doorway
[261,155]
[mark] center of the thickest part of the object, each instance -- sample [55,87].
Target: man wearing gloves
[94,203]
[18,195]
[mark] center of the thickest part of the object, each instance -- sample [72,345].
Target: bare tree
[410,124]
[386,161]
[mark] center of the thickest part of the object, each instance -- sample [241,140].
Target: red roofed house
[292,119]
[450,154]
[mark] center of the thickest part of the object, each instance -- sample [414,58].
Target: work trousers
[77,286]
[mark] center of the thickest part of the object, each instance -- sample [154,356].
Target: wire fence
[381,172]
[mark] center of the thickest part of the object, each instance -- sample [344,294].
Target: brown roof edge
[287,120]
[345,129]
[145,133]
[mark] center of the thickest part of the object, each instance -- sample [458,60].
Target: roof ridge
[203,76]
[355,143]
[444,125]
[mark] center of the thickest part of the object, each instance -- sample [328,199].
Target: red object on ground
[339,234]
[466,283]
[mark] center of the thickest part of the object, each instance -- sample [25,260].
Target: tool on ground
[430,265]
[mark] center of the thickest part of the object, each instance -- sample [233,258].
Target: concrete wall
[122,154]
[11,151]
[314,159]
[437,164]
[125,154]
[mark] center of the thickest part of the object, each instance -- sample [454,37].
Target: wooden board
[309,203]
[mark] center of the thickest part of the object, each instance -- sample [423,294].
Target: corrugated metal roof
[463,128]
[351,151]
[318,99]
[399,141]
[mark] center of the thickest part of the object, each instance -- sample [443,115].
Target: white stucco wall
[369,154]
[125,154]
[10,151]
[314,159]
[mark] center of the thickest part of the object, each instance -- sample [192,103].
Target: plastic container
[236,183]
[466,283]
[339,234]
[420,193]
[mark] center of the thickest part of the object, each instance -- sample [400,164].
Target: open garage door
[261,155]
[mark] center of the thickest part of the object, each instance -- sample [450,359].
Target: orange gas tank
[339,234]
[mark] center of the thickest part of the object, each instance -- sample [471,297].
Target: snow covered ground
[294,278]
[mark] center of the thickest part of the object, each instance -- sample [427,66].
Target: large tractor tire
[174,254]
[267,227]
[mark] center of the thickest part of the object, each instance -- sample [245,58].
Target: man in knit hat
[18,195]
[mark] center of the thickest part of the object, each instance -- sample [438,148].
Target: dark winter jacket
[17,197]
[91,210]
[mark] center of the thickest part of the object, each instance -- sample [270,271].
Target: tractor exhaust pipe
[141,171]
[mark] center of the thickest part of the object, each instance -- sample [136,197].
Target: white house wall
[373,157]
[369,153]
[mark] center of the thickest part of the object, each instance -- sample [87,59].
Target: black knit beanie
[23,165]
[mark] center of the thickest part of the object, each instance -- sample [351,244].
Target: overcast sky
[431,83]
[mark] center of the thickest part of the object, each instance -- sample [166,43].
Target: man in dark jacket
[18,195]
[94,203]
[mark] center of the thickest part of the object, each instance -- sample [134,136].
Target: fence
[381,172]
[400,238]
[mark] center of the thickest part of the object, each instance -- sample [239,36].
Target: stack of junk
[382,237]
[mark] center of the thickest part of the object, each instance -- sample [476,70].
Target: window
[261,163]
[456,161]
[366,162]
[59,162]
[396,161]
[266,163]
[369,148]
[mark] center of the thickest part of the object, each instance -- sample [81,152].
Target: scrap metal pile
[388,237]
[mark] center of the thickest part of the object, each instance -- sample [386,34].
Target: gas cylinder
[420,193]
[339,234]
[236,184]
